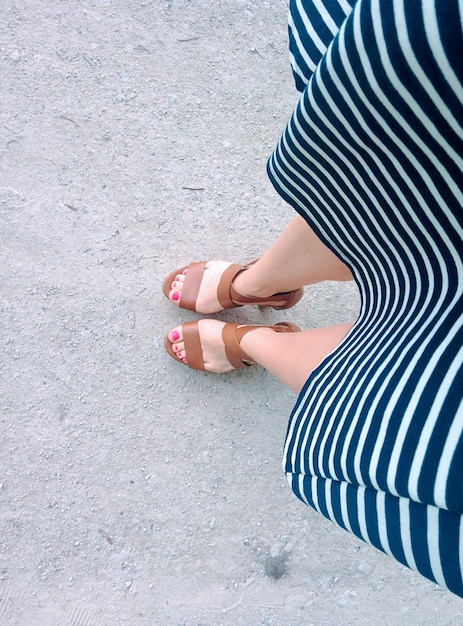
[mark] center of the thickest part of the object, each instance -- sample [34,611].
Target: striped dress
[372,159]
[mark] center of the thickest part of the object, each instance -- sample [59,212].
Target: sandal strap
[232,335]
[225,291]
[279,301]
[191,285]
[193,347]
[284,300]
[230,298]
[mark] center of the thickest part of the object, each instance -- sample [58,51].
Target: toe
[174,295]
[175,336]
[178,346]
[176,289]
[180,278]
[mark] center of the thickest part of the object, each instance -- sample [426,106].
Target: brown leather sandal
[231,335]
[227,295]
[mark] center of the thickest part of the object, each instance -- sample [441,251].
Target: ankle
[249,283]
[257,340]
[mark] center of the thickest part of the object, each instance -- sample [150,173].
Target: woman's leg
[297,258]
[290,357]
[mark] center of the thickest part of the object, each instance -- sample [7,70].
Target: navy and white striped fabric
[372,158]
[312,26]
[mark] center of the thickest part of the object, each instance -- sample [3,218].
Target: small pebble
[16,56]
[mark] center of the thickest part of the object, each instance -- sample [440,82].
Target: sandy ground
[134,136]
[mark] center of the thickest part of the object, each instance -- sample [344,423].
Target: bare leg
[297,258]
[290,357]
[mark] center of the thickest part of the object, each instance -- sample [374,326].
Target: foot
[218,285]
[215,346]
[206,300]
[212,345]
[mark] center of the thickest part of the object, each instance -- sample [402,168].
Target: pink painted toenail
[185,360]
[175,336]
[176,296]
